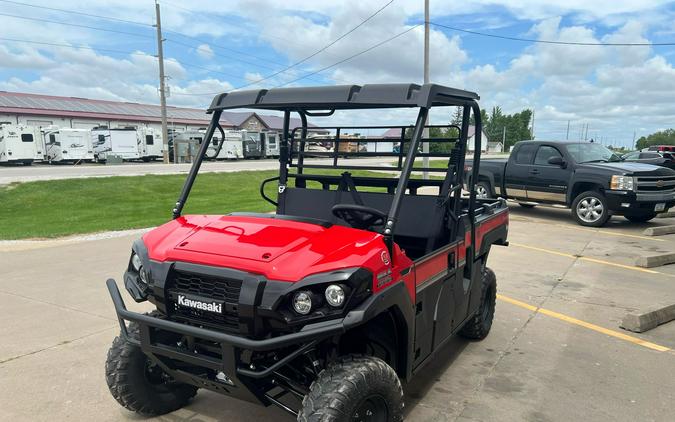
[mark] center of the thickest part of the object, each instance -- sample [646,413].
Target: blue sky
[616,91]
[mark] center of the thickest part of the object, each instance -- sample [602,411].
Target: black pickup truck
[587,177]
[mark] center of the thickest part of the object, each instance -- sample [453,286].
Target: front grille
[207,287]
[655,184]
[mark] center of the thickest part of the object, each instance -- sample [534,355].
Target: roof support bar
[390,225]
[187,187]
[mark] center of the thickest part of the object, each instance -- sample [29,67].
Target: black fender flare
[397,300]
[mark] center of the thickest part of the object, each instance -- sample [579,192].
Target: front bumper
[626,202]
[240,381]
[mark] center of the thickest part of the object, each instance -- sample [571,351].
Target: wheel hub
[590,209]
[372,409]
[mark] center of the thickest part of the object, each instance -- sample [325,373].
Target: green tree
[663,137]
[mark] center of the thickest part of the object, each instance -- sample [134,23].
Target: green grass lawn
[76,206]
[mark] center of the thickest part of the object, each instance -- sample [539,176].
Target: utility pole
[586,133]
[425,132]
[504,137]
[634,134]
[532,134]
[162,89]
[567,137]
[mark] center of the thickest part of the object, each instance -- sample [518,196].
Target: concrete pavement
[57,322]
[11,174]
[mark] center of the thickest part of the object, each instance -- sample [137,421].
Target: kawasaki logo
[201,305]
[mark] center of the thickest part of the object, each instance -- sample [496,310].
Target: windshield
[591,153]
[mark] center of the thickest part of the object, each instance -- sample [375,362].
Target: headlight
[335,295]
[302,303]
[143,274]
[136,262]
[622,183]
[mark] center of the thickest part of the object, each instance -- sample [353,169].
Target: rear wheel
[138,384]
[479,326]
[640,218]
[354,389]
[483,190]
[590,209]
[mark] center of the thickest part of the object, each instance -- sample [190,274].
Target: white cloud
[204,51]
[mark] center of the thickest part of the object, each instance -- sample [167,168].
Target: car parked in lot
[355,283]
[657,158]
[587,177]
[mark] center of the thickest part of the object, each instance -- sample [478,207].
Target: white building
[472,140]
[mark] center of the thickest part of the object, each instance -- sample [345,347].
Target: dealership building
[46,110]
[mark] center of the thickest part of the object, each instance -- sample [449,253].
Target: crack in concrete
[62,343]
[509,345]
[57,305]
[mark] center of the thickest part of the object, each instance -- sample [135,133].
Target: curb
[639,322]
[652,261]
[667,214]
[659,231]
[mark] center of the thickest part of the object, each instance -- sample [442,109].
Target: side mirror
[557,161]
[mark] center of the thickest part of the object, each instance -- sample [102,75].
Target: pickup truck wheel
[590,209]
[479,326]
[483,190]
[356,388]
[140,386]
[640,218]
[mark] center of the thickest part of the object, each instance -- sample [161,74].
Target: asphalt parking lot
[555,353]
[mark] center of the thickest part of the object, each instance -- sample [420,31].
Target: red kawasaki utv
[324,307]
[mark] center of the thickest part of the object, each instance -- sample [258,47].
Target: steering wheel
[359,216]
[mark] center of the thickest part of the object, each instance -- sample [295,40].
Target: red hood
[278,249]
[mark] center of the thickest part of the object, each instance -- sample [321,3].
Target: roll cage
[324,101]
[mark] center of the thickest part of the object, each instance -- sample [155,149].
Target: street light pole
[162,78]
[425,133]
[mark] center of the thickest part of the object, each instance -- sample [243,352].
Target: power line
[83,47]
[36,6]
[532,40]
[205,68]
[323,68]
[335,41]
[352,56]
[76,25]
[314,54]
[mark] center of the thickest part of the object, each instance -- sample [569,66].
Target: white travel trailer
[272,144]
[150,143]
[20,144]
[232,147]
[67,145]
[118,142]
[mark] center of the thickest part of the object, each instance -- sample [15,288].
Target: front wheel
[640,218]
[354,389]
[590,209]
[139,385]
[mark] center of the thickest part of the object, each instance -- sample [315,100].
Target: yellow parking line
[584,258]
[634,236]
[585,324]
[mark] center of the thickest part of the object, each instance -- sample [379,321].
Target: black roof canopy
[344,97]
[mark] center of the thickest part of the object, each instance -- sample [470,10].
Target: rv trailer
[67,145]
[150,143]
[254,145]
[183,146]
[272,144]
[114,142]
[232,148]
[20,144]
